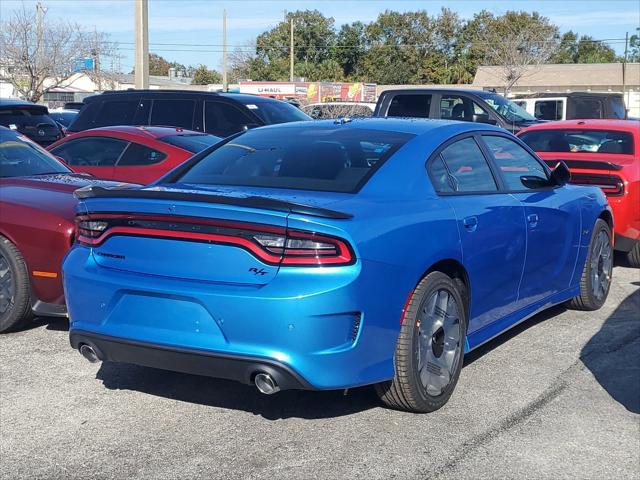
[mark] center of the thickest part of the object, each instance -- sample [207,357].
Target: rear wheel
[596,275]
[430,348]
[633,257]
[15,291]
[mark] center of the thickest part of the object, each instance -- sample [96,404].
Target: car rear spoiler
[250,202]
[586,164]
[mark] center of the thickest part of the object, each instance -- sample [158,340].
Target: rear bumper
[211,364]
[329,328]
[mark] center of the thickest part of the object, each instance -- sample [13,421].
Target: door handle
[532,219]
[470,223]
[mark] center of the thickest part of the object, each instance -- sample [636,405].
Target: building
[570,77]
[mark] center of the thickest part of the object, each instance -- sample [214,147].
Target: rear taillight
[271,245]
[611,185]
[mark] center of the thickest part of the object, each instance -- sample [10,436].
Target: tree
[517,41]
[203,76]
[634,47]
[583,49]
[39,55]
[349,48]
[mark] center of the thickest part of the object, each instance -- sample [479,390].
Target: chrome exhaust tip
[89,353]
[266,384]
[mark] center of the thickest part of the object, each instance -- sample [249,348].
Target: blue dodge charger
[333,254]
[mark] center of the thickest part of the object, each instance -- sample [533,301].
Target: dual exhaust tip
[264,382]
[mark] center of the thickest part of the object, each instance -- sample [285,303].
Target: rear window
[191,143]
[277,112]
[579,140]
[24,116]
[413,105]
[321,159]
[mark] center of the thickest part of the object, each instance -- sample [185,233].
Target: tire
[429,343]
[633,256]
[15,289]
[596,275]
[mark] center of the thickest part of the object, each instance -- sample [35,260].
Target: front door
[552,216]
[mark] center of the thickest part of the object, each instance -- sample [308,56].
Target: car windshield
[579,141]
[193,143]
[20,157]
[63,118]
[323,159]
[507,108]
[277,112]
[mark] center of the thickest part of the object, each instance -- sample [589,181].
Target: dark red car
[37,210]
[130,154]
[598,152]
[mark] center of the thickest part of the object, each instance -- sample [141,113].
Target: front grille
[611,185]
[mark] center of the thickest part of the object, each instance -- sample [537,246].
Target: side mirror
[483,118]
[561,175]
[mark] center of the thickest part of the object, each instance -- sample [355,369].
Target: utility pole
[624,70]
[225,83]
[142,43]
[291,52]
[96,58]
[40,12]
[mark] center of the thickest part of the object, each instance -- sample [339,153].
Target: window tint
[193,143]
[618,108]
[19,157]
[457,107]
[410,106]
[462,168]
[173,113]
[579,141]
[549,109]
[91,151]
[137,154]
[224,119]
[277,112]
[322,159]
[116,112]
[584,107]
[516,164]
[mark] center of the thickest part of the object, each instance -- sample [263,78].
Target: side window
[116,112]
[548,109]
[91,151]
[411,105]
[520,169]
[137,154]
[587,108]
[462,168]
[458,107]
[173,113]
[223,119]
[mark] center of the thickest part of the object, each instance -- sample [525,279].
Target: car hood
[52,193]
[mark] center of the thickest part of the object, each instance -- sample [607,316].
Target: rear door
[94,155]
[553,218]
[223,118]
[491,226]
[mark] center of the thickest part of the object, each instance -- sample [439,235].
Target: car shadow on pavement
[56,324]
[233,395]
[613,354]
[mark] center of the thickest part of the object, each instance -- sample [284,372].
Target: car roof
[593,124]
[527,96]
[436,89]
[16,102]
[415,126]
[143,131]
[240,97]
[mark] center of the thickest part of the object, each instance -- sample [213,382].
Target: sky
[190,31]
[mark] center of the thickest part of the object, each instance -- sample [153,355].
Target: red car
[604,153]
[130,154]
[36,229]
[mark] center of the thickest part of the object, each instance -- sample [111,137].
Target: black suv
[31,120]
[220,114]
[454,104]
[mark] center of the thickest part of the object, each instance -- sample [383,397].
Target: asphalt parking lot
[557,397]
